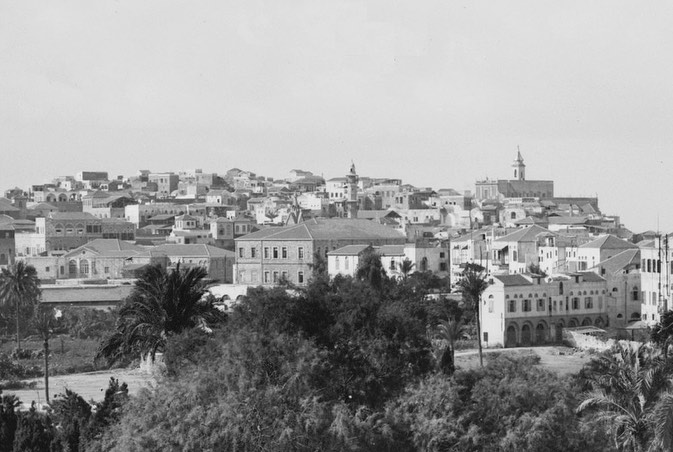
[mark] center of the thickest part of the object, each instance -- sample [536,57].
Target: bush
[12,370]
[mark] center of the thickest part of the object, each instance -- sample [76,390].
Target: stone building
[290,252]
[523,310]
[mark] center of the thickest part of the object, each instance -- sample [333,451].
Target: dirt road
[91,386]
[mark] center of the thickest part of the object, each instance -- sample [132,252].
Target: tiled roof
[201,250]
[513,280]
[528,234]
[620,261]
[109,247]
[349,250]
[390,250]
[328,229]
[609,242]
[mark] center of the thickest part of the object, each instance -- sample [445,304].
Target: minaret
[519,167]
[352,180]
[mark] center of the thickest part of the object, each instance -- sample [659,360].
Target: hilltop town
[552,262]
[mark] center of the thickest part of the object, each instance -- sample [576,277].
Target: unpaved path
[91,385]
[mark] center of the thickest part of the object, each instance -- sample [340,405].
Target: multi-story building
[515,252]
[63,231]
[289,252]
[7,244]
[166,183]
[526,310]
[591,253]
[622,273]
[423,256]
[116,259]
[656,281]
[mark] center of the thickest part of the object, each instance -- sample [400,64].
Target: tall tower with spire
[352,180]
[519,167]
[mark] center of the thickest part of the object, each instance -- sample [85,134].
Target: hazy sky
[436,93]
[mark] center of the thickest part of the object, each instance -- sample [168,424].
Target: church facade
[517,187]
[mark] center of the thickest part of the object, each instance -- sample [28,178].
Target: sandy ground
[91,386]
[562,360]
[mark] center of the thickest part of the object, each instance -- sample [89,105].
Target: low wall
[587,341]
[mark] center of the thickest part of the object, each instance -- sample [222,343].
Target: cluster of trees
[344,364]
[70,425]
[363,363]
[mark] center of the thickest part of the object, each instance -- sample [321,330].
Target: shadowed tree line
[348,364]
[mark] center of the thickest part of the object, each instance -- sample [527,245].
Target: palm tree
[45,320]
[19,286]
[161,304]
[627,387]
[406,266]
[450,331]
[471,285]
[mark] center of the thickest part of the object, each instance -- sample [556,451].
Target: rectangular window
[275,252]
[253,276]
[526,306]
[266,277]
[253,252]
[283,252]
[336,263]
[512,306]
[588,303]
[442,266]
[240,252]
[300,277]
[490,305]
[275,277]
[266,252]
[300,252]
[576,303]
[284,276]
[46,269]
[540,304]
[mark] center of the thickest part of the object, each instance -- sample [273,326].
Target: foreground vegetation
[360,364]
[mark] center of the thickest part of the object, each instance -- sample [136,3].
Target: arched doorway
[526,335]
[559,331]
[510,340]
[541,333]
